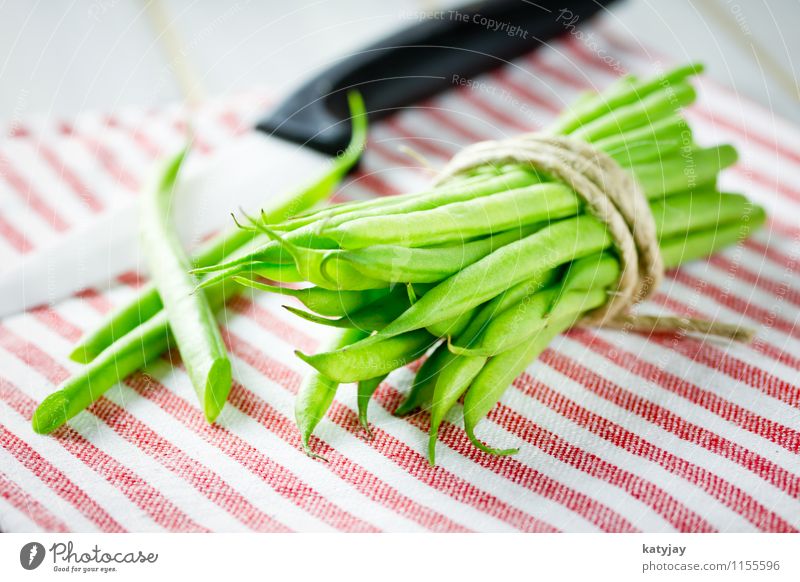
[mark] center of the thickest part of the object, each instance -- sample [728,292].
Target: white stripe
[613,496]
[345,442]
[686,410]
[249,485]
[97,488]
[48,184]
[13,520]
[687,494]
[34,486]
[695,497]
[174,487]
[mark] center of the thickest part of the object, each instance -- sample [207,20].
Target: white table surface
[61,57]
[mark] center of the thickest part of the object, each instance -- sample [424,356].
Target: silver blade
[248,174]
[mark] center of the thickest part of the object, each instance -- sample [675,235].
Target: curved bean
[354,365]
[319,300]
[366,388]
[316,394]
[460,221]
[528,259]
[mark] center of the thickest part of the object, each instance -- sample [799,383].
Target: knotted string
[614,197]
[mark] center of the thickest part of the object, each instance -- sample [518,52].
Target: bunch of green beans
[481,272]
[141,330]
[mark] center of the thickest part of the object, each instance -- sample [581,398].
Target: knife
[298,138]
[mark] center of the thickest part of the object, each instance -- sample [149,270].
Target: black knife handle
[418,62]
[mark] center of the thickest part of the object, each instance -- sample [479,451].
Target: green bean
[646,144]
[116,326]
[585,287]
[322,301]
[445,194]
[498,373]
[147,303]
[140,346]
[681,249]
[366,388]
[694,211]
[460,221]
[323,267]
[649,109]
[454,378]
[424,381]
[621,93]
[452,326]
[400,264]
[316,394]
[527,259]
[372,317]
[353,364]
[686,171]
[191,318]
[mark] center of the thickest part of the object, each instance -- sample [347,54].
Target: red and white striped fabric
[618,432]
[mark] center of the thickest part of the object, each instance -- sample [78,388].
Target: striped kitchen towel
[618,432]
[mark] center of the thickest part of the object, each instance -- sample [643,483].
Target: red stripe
[341,466]
[84,193]
[393,449]
[273,474]
[650,494]
[788,262]
[152,150]
[767,429]
[766,317]
[52,319]
[51,476]
[524,92]
[512,122]
[32,198]
[139,491]
[512,469]
[442,116]
[137,433]
[722,361]
[605,518]
[30,507]
[283,481]
[109,161]
[14,237]
[434,147]
[747,172]
[781,290]
[725,492]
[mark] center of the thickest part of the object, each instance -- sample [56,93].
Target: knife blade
[296,141]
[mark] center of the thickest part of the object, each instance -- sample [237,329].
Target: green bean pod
[366,388]
[498,374]
[354,365]
[455,376]
[424,381]
[316,393]
[528,259]
[460,221]
[190,316]
[400,264]
[322,301]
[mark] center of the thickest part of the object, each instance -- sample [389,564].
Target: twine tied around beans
[613,197]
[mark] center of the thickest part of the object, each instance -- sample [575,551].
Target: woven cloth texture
[617,431]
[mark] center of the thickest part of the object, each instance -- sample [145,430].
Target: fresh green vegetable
[505,266]
[317,391]
[138,332]
[190,316]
